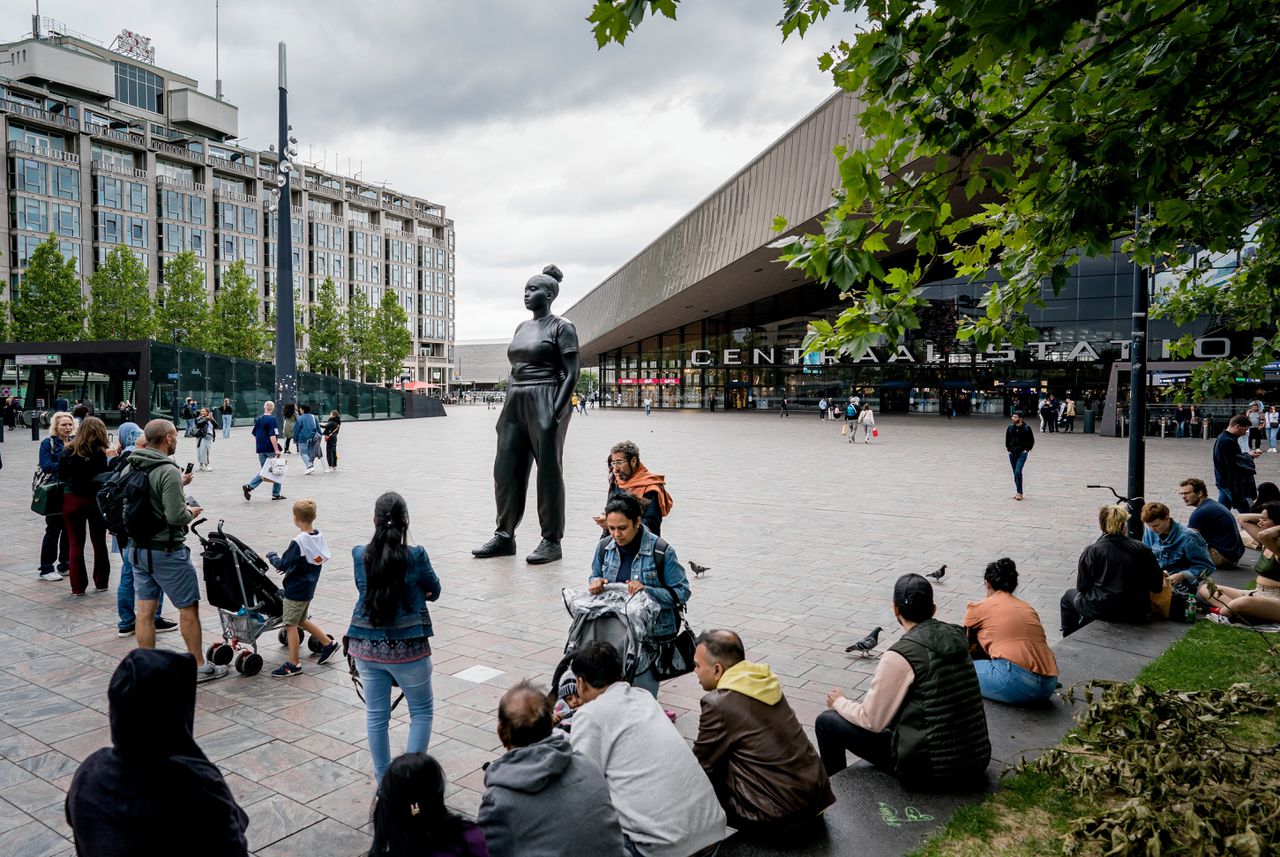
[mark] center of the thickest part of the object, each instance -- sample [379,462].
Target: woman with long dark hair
[83,459]
[290,414]
[390,630]
[410,818]
[330,430]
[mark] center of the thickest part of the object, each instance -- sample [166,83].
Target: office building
[104,148]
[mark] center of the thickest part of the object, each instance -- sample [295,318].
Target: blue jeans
[257,477]
[1005,681]
[1017,461]
[414,678]
[1272,432]
[304,449]
[226,425]
[124,590]
[191,425]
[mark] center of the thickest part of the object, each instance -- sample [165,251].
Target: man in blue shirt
[1181,552]
[1233,470]
[1214,522]
[266,434]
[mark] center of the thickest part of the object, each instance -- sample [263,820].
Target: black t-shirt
[538,347]
[627,555]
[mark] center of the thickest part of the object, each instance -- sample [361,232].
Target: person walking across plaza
[1255,425]
[128,438]
[1233,469]
[648,406]
[1271,419]
[55,545]
[851,420]
[390,632]
[1069,415]
[305,431]
[85,458]
[867,421]
[206,431]
[784,409]
[162,562]
[266,435]
[300,565]
[1019,440]
[922,718]
[628,475]
[290,415]
[330,430]
[226,411]
[822,408]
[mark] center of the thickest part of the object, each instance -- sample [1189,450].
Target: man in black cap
[1018,441]
[922,718]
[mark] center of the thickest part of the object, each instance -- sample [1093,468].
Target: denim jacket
[413,621]
[607,562]
[51,454]
[1181,550]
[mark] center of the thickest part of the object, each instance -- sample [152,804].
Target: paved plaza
[804,535]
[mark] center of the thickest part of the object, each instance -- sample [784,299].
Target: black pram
[249,602]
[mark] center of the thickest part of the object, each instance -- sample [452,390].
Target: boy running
[301,568]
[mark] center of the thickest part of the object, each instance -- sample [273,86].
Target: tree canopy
[182,302]
[327,338]
[360,351]
[121,306]
[234,328]
[1054,123]
[48,305]
[392,341]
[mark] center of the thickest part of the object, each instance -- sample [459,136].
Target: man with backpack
[146,502]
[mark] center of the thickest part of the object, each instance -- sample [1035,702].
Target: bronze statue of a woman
[533,422]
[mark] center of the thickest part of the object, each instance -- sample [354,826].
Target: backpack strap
[660,565]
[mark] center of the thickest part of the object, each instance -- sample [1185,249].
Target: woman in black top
[82,460]
[1115,578]
[330,430]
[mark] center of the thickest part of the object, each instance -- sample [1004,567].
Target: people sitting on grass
[922,719]
[1214,522]
[1261,604]
[760,763]
[665,803]
[1268,492]
[410,818]
[1180,552]
[1014,662]
[542,797]
[1115,577]
[154,784]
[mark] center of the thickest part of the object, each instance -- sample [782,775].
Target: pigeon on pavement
[698,570]
[937,575]
[867,643]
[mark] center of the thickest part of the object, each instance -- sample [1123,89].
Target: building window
[66,183]
[139,87]
[197,210]
[36,138]
[66,220]
[112,156]
[29,176]
[249,220]
[137,236]
[109,192]
[197,242]
[137,198]
[31,214]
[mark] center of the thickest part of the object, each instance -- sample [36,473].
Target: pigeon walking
[937,575]
[867,643]
[698,570]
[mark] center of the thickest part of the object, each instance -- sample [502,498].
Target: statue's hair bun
[554,272]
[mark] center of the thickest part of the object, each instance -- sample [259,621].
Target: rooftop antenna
[35,22]
[217,69]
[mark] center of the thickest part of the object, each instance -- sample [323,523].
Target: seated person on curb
[301,568]
[154,784]
[630,556]
[1180,552]
[922,718]
[1019,666]
[664,801]
[760,763]
[1115,577]
[1261,604]
[627,475]
[1214,522]
[543,798]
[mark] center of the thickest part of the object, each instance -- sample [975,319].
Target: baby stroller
[249,602]
[613,616]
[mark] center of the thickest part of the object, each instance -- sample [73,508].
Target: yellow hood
[754,680]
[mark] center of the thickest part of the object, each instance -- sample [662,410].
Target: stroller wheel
[315,645]
[222,654]
[283,637]
[252,664]
[208,653]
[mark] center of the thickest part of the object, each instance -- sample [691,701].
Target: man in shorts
[162,563]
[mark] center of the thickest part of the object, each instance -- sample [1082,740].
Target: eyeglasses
[616,462]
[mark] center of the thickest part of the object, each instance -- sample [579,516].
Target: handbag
[674,655]
[844,429]
[46,493]
[274,470]
[875,432]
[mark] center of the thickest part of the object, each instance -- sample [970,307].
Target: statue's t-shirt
[538,347]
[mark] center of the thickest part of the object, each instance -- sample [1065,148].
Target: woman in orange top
[1013,659]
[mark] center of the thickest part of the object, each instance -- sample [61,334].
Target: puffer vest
[940,733]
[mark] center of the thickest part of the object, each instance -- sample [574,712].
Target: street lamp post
[177,382]
[286,347]
[1138,387]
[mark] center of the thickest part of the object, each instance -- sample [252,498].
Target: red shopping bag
[875,432]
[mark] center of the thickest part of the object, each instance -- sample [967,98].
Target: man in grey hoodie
[542,797]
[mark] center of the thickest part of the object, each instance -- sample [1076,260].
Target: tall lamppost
[178,333]
[1138,386]
[286,347]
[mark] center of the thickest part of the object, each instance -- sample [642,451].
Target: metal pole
[286,348]
[1138,388]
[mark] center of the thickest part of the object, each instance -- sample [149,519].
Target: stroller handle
[196,523]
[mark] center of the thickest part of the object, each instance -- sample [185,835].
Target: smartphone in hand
[190,467]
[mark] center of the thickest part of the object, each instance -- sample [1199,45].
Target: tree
[587,381]
[48,305]
[182,302]
[392,340]
[1016,139]
[328,338]
[360,345]
[121,306]
[234,327]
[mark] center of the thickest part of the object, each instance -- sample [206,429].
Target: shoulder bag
[46,493]
[674,656]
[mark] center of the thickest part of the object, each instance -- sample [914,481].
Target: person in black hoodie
[155,784]
[1018,441]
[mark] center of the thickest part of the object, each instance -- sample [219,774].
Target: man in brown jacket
[764,769]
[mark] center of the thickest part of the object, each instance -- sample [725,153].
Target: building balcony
[238,196]
[325,218]
[41,152]
[229,166]
[165,181]
[401,235]
[104,132]
[8,105]
[206,113]
[181,152]
[117,170]
[431,219]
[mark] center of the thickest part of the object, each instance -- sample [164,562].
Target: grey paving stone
[32,840]
[325,837]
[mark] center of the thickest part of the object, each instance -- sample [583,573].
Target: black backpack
[125,500]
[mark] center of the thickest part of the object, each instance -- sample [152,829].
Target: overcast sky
[540,147]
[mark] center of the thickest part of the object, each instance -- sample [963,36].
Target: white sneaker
[208,468]
[51,575]
[309,471]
